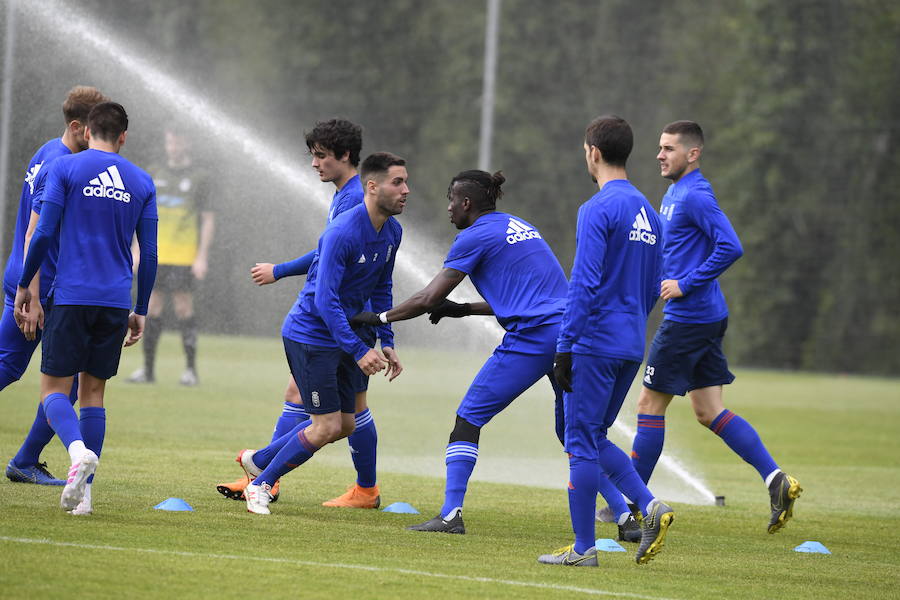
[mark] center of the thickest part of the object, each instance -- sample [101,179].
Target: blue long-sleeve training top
[31,188]
[354,263]
[615,277]
[95,201]
[699,244]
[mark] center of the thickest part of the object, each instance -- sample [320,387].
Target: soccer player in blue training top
[613,287]
[16,347]
[96,201]
[686,356]
[354,263]
[523,284]
[335,147]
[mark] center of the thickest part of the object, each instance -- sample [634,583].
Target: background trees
[798,100]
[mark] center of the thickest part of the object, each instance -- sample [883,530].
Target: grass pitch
[838,435]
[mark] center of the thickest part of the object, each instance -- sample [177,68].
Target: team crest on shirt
[31,175]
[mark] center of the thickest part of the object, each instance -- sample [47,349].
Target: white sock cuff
[76,450]
[771,476]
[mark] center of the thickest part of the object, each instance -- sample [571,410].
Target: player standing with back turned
[613,287]
[97,201]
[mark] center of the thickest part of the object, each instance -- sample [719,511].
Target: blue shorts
[15,350]
[83,338]
[324,377]
[687,356]
[521,359]
[599,386]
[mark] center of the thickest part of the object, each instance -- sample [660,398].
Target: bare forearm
[429,297]
[417,304]
[481,308]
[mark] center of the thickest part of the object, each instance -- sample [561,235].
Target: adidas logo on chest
[641,230]
[108,184]
[517,231]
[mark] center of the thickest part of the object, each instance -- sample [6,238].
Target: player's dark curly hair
[338,135]
[482,188]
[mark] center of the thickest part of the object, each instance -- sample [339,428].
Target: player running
[523,284]
[335,147]
[613,287]
[16,347]
[354,263]
[97,201]
[686,356]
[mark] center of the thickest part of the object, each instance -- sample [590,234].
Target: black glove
[365,318]
[449,308]
[562,370]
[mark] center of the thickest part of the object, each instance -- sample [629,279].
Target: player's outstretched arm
[266,273]
[419,303]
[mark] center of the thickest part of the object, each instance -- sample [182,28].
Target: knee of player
[704,418]
[464,431]
[651,402]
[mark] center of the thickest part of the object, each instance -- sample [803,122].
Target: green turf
[838,435]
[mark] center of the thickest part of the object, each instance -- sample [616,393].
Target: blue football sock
[648,444]
[584,482]
[93,429]
[291,414]
[460,460]
[39,435]
[364,449]
[610,493]
[263,457]
[296,451]
[622,474]
[62,418]
[744,441]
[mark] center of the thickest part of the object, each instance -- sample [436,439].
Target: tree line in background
[798,101]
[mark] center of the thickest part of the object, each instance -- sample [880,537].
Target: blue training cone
[608,545]
[174,504]
[814,547]
[400,507]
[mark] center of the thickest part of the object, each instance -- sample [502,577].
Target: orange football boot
[357,497]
